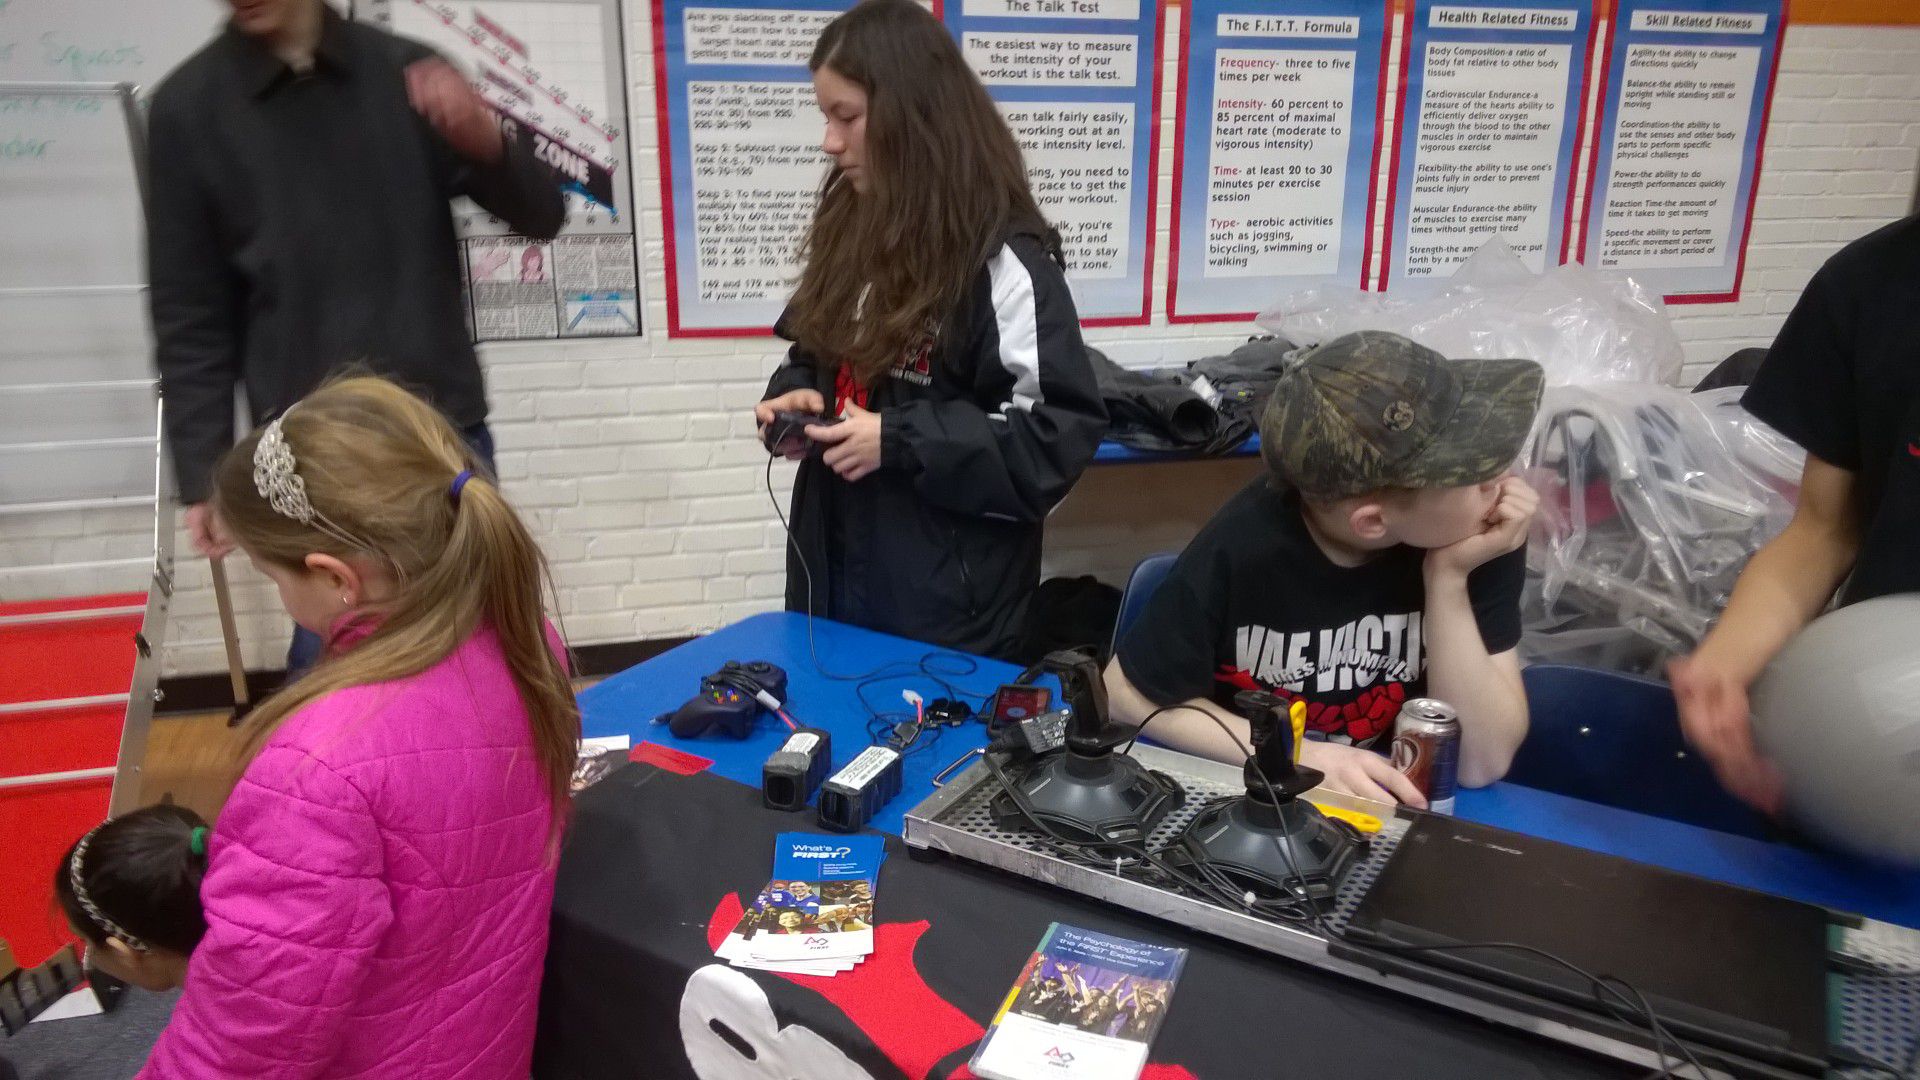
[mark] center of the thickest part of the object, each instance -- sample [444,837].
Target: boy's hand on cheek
[1504,530]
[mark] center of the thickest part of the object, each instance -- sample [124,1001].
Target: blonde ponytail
[379,466]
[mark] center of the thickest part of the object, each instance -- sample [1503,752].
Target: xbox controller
[729,700]
[787,433]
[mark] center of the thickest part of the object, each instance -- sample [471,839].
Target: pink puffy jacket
[378,891]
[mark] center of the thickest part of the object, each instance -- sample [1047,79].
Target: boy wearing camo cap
[1380,558]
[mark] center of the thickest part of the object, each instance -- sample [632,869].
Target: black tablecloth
[656,866]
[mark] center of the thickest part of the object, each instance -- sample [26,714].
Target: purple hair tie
[460,482]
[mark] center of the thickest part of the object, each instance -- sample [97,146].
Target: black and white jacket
[983,432]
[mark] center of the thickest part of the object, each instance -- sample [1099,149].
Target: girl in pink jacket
[378,885]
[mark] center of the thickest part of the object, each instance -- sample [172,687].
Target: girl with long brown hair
[933,319]
[377,887]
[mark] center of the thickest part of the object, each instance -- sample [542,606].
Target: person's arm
[1185,727]
[1480,680]
[296,907]
[492,170]
[1787,583]
[1018,456]
[196,304]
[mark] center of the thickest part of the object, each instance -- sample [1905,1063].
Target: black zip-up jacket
[982,435]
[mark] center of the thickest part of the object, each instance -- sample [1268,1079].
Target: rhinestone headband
[274,476]
[74,878]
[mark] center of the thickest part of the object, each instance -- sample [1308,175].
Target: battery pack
[793,773]
[850,799]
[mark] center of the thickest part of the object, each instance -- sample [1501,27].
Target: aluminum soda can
[1426,747]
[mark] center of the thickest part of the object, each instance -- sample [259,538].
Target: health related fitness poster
[1684,116]
[1275,151]
[555,70]
[1079,83]
[1493,108]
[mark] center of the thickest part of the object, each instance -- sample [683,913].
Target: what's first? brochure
[815,916]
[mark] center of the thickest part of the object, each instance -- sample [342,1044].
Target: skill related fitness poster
[1275,151]
[1684,114]
[1493,108]
[555,71]
[1078,81]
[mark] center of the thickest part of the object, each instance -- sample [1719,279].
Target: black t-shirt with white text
[1843,381]
[1253,603]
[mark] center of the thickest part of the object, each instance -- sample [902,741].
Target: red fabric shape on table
[678,762]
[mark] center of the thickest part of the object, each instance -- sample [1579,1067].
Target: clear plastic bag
[1652,500]
[1583,326]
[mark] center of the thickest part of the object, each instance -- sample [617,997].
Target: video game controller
[787,432]
[729,700]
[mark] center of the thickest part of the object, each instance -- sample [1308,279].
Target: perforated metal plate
[972,813]
[1880,1014]
[1877,1017]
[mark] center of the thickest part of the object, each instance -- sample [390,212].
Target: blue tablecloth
[626,704]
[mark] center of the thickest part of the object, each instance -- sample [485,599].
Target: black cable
[923,667]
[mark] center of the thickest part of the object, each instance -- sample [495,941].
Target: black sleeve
[1805,388]
[195,301]
[1168,652]
[517,189]
[1017,449]
[800,372]
[1494,590]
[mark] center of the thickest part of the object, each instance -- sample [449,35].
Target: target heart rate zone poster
[1492,111]
[556,73]
[1275,152]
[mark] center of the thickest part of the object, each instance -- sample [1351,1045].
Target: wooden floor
[190,758]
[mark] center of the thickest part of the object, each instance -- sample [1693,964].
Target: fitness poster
[1684,115]
[1275,151]
[556,73]
[1079,83]
[1488,123]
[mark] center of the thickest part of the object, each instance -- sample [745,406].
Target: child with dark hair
[131,888]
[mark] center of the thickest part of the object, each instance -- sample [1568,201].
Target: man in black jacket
[301,168]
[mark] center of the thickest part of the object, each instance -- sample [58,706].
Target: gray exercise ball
[1839,712]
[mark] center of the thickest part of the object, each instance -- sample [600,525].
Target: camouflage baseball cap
[1374,410]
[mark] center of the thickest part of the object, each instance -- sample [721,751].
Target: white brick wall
[635,463]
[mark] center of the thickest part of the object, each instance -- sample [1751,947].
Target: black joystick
[1269,840]
[1085,792]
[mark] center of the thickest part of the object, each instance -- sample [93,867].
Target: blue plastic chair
[1146,577]
[1614,739]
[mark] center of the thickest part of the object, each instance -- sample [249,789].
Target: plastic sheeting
[1583,326]
[1652,500]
